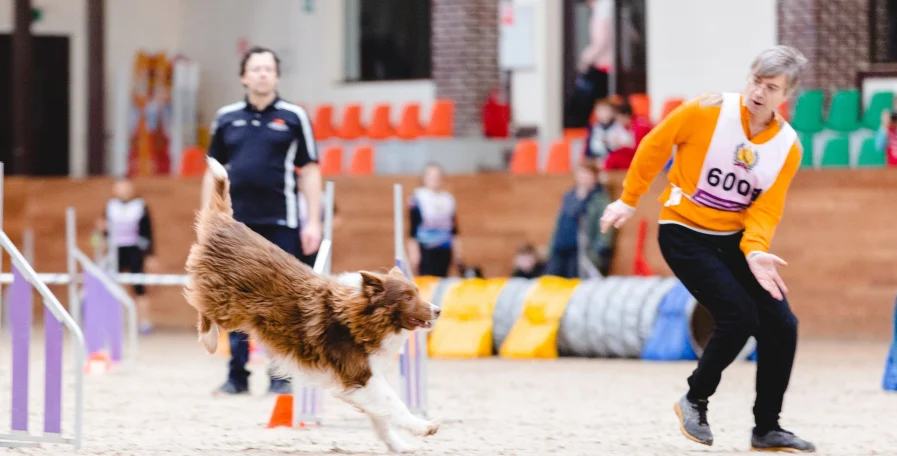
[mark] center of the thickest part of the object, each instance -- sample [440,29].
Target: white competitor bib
[123,221]
[735,170]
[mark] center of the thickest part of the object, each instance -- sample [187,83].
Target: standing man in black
[261,141]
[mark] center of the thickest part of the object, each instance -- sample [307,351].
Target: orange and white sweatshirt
[722,180]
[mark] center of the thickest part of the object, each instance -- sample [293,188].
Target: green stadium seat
[843,115]
[870,156]
[806,141]
[807,116]
[836,152]
[879,102]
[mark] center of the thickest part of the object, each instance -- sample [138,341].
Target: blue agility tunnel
[889,382]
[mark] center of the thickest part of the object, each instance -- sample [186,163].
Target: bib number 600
[730,181]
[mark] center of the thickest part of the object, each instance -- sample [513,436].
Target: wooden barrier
[837,234]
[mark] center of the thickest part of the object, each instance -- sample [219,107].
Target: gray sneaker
[693,420]
[781,440]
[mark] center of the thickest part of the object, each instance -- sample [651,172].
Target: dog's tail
[220,198]
[208,333]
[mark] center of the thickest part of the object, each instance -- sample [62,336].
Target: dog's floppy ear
[371,284]
[396,272]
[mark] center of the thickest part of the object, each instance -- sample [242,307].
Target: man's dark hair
[258,50]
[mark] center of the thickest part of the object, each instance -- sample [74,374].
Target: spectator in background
[886,137]
[127,225]
[595,64]
[625,137]
[613,132]
[527,263]
[577,247]
[433,245]
[598,142]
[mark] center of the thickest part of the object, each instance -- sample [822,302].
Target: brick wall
[833,34]
[465,57]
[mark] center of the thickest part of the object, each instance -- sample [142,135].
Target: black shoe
[780,440]
[231,388]
[693,420]
[279,386]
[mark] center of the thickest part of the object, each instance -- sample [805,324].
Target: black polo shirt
[261,150]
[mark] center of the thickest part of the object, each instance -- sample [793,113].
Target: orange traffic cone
[283,412]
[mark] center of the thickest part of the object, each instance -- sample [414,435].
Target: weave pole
[413,357]
[307,402]
[55,317]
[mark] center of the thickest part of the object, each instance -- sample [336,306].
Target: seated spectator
[624,141]
[597,138]
[527,263]
[886,137]
[577,246]
[470,271]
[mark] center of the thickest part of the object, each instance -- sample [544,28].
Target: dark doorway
[630,45]
[50,105]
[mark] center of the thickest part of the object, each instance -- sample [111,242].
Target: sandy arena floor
[490,407]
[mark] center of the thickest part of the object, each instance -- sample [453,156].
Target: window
[387,40]
[883,31]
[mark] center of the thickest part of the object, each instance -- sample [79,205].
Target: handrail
[59,312]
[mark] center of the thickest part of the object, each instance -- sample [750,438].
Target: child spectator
[625,137]
[577,246]
[527,263]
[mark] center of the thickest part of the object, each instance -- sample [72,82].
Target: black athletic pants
[715,271]
[435,261]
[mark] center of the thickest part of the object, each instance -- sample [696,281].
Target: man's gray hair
[780,60]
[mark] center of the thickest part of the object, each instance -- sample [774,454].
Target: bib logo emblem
[745,157]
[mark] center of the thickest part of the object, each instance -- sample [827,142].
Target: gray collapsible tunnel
[611,317]
[595,317]
[574,330]
[508,307]
[652,306]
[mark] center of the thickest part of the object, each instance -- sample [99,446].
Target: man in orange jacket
[734,163]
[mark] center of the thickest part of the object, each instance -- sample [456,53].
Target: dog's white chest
[391,346]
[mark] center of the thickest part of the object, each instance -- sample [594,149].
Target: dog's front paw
[398,446]
[433,426]
[425,428]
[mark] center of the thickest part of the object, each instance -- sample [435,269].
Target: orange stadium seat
[193,161]
[332,161]
[410,126]
[525,159]
[558,158]
[670,105]
[641,105]
[323,122]
[381,127]
[351,126]
[362,161]
[441,118]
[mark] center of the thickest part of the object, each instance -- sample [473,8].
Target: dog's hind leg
[208,333]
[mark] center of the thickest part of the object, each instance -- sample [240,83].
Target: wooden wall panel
[837,234]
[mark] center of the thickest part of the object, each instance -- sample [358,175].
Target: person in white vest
[127,224]
[433,245]
[734,162]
